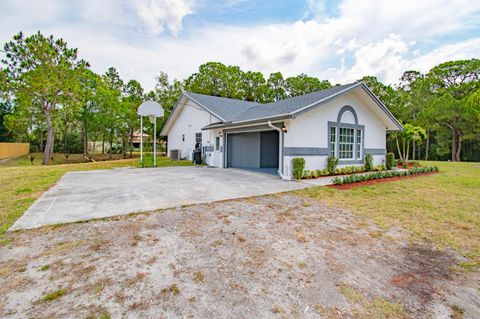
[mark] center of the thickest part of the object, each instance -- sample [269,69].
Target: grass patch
[22,183]
[371,308]
[382,308]
[22,269]
[62,158]
[45,267]
[457,312]
[352,295]
[473,266]
[443,208]
[173,289]
[278,310]
[54,295]
[100,313]
[198,277]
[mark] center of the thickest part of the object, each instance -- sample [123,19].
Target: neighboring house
[347,121]
[136,138]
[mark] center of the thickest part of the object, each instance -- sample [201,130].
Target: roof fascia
[166,128]
[204,107]
[246,123]
[383,107]
[321,101]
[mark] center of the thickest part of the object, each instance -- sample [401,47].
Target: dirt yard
[279,256]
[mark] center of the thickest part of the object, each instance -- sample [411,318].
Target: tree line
[52,99]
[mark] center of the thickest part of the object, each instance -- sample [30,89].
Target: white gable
[347,117]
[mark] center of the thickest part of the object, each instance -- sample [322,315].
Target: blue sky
[336,40]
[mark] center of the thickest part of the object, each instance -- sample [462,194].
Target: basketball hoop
[152,110]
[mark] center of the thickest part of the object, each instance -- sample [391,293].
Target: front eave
[245,123]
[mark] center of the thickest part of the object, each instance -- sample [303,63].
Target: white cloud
[160,14]
[316,9]
[365,37]
[458,51]
[383,59]
[408,18]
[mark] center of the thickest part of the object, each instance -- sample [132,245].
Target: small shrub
[349,169]
[368,162]
[332,163]
[306,174]
[390,161]
[298,164]
[359,169]
[337,180]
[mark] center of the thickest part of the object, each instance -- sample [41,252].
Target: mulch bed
[376,181]
[409,165]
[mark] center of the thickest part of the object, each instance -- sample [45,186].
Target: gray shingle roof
[227,109]
[232,110]
[290,105]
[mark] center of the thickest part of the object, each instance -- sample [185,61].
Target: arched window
[346,137]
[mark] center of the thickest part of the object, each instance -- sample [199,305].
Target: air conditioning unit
[175,155]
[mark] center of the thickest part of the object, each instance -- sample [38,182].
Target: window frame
[359,143]
[358,148]
[196,138]
[346,143]
[217,143]
[332,142]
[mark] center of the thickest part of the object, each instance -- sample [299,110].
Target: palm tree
[410,133]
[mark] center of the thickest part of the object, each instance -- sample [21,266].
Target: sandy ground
[276,256]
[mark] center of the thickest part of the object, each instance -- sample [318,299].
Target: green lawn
[60,158]
[443,208]
[22,183]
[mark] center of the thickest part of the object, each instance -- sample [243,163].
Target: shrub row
[339,171]
[331,169]
[382,174]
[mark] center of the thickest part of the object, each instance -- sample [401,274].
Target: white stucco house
[347,121]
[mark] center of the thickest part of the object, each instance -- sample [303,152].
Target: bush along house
[345,121]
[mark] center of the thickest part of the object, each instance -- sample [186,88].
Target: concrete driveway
[104,193]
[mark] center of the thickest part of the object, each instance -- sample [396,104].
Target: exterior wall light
[284,129]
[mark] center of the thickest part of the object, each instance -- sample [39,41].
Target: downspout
[280,151]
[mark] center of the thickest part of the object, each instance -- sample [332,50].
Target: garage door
[253,150]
